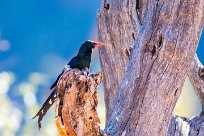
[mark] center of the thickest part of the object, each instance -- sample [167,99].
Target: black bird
[81,61]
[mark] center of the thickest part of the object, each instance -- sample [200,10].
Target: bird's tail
[46,106]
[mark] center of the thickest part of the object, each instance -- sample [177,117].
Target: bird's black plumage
[81,61]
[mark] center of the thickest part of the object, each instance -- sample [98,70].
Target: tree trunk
[152,47]
[195,126]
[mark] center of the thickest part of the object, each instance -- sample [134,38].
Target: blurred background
[37,38]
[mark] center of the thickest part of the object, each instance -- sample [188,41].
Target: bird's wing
[73,62]
[50,100]
[46,106]
[66,67]
[55,83]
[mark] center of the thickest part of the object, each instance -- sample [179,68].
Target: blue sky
[200,49]
[41,27]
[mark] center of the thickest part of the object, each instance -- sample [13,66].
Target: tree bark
[76,104]
[152,48]
[195,126]
[196,76]
[181,126]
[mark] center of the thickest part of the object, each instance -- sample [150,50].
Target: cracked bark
[143,86]
[75,113]
[195,126]
[196,77]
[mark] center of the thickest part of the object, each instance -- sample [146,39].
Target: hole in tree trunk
[127,52]
[153,51]
[90,118]
[138,8]
[133,36]
[107,6]
[160,41]
[175,92]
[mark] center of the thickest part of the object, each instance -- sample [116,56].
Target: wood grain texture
[76,104]
[194,126]
[195,75]
[143,84]
[181,126]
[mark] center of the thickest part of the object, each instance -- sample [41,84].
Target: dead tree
[153,45]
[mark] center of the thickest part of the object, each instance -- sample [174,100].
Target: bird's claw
[85,71]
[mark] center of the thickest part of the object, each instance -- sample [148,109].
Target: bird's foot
[85,71]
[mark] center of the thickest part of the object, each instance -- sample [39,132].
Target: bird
[81,61]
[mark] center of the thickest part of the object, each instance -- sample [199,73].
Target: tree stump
[76,104]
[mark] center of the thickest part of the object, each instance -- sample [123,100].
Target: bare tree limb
[196,76]
[164,46]
[191,127]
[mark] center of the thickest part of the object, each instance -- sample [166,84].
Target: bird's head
[88,46]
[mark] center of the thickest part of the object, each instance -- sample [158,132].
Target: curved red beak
[99,44]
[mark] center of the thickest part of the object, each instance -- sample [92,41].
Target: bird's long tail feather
[46,106]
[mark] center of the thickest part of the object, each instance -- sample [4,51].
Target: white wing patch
[50,101]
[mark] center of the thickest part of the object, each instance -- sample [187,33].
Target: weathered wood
[195,126]
[118,25]
[181,126]
[196,77]
[146,83]
[76,104]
